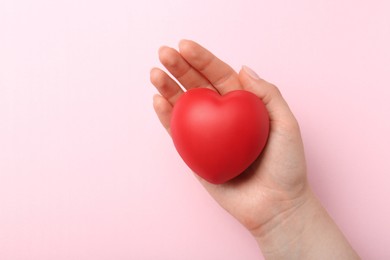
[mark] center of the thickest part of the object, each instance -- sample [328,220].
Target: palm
[274,182]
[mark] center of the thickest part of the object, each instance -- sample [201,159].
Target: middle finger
[181,70]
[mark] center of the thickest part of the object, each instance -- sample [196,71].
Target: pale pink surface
[86,171]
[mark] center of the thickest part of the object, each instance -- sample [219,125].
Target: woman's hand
[272,197]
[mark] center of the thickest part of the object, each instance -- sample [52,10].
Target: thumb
[277,107]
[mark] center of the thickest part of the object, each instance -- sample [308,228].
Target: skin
[272,198]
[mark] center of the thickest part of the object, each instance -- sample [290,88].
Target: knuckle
[275,90]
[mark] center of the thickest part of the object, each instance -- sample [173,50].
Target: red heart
[217,136]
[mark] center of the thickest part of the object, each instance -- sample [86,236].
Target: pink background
[86,171]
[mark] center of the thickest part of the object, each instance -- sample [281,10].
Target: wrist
[280,234]
[283,229]
[304,231]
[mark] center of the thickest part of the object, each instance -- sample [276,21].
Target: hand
[276,181]
[273,191]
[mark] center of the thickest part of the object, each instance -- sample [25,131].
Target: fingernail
[250,72]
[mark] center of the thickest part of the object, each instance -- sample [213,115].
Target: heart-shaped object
[217,136]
